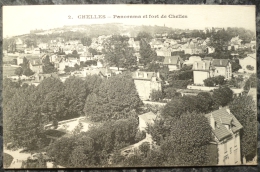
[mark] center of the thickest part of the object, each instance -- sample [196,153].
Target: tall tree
[187,143]
[23,125]
[48,67]
[222,96]
[114,99]
[146,53]
[244,109]
[118,53]
[75,91]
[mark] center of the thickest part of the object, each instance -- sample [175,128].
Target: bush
[249,67]
[156,95]
[144,148]
[140,135]
[180,84]
[7,160]
[211,82]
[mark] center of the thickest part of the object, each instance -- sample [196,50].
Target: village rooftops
[172,60]
[223,123]
[220,62]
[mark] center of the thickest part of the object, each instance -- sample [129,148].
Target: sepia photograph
[115,86]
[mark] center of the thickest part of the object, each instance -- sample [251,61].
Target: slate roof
[198,65]
[220,62]
[222,117]
[148,117]
[172,60]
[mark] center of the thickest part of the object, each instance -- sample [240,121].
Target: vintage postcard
[93,86]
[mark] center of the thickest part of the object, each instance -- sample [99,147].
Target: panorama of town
[115,95]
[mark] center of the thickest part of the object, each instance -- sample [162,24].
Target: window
[235,141]
[225,147]
[230,150]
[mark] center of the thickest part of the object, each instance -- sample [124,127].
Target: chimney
[212,122]
[228,111]
[204,65]
[195,65]
[136,74]
[158,74]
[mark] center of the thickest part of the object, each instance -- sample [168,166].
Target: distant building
[225,136]
[207,68]
[222,67]
[201,71]
[36,66]
[173,62]
[146,82]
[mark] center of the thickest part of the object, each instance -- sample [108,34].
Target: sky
[19,20]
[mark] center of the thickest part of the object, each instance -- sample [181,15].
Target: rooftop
[223,117]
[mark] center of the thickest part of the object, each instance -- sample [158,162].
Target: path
[18,157]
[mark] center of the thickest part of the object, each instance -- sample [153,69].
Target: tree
[244,109]
[93,83]
[48,67]
[51,100]
[76,92]
[86,41]
[205,104]
[18,71]
[146,53]
[235,65]
[251,82]
[23,121]
[222,96]
[118,53]
[187,143]
[28,72]
[170,92]
[92,51]
[144,36]
[114,99]
[213,81]
[156,95]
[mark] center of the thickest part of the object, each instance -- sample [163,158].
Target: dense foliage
[115,98]
[244,109]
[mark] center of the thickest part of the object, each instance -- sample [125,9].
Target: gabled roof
[148,117]
[201,65]
[173,60]
[220,62]
[223,117]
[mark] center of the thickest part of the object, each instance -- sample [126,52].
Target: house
[173,62]
[191,60]
[201,71]
[234,43]
[19,60]
[85,56]
[36,66]
[248,64]
[146,82]
[222,67]
[225,136]
[144,119]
